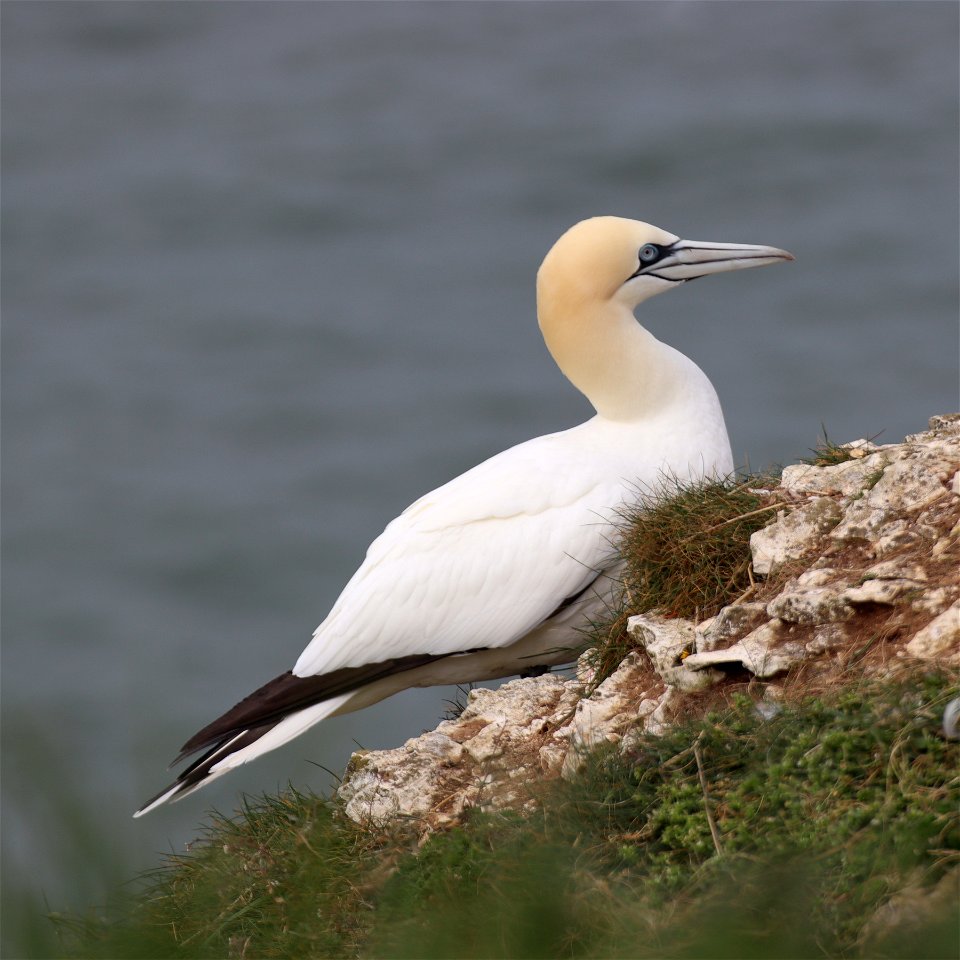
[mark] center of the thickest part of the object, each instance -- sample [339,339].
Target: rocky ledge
[858,570]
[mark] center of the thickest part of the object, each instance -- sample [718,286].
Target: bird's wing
[479,561]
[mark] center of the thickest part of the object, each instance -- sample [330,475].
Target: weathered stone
[910,484]
[827,636]
[606,713]
[896,570]
[945,423]
[861,521]
[666,641]
[860,448]
[895,536]
[440,745]
[669,643]
[731,622]
[414,781]
[764,652]
[552,756]
[390,783]
[704,627]
[817,577]
[811,605]
[490,742]
[936,600]
[792,534]
[939,639]
[886,592]
[648,707]
[847,478]
[585,669]
[658,720]
[765,663]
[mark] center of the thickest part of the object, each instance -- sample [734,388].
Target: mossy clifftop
[759,765]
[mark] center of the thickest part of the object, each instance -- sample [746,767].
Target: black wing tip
[169,793]
[247,721]
[289,693]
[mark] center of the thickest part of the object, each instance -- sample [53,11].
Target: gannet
[496,572]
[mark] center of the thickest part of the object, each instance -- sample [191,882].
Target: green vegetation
[730,836]
[828,454]
[794,832]
[686,551]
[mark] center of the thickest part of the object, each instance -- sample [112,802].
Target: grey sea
[268,275]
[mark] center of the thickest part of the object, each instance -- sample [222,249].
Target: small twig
[746,593]
[743,516]
[706,796]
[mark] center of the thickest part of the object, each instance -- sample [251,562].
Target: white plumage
[495,572]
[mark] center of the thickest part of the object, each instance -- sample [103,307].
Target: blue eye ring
[649,253]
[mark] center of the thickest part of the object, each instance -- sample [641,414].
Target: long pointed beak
[689,259]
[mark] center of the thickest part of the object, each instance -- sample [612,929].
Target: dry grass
[686,550]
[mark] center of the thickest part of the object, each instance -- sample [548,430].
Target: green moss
[822,813]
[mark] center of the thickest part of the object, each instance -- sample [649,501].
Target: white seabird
[495,572]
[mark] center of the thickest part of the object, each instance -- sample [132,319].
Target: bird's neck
[622,369]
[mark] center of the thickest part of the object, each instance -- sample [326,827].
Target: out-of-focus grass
[821,814]
[48,812]
[285,878]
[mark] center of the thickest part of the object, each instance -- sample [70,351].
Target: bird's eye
[649,252]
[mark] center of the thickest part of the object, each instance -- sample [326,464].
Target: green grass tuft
[827,453]
[686,550]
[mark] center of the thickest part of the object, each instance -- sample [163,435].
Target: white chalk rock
[897,570]
[861,521]
[811,605]
[669,643]
[607,713]
[826,637]
[945,423]
[885,592]
[764,652]
[939,639]
[731,622]
[911,484]
[383,784]
[817,577]
[659,719]
[935,601]
[793,534]
[498,737]
[896,535]
[846,478]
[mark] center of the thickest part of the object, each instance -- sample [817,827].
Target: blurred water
[268,276]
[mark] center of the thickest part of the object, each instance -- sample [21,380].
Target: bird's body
[496,572]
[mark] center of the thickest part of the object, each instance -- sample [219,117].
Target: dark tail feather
[199,771]
[257,714]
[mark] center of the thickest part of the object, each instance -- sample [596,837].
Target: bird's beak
[689,259]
